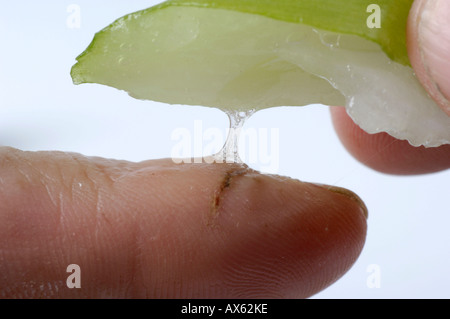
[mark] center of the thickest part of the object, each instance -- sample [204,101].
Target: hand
[159,230]
[429,51]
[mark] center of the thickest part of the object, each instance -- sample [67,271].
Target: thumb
[429,47]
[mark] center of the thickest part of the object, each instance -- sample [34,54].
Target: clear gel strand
[230,151]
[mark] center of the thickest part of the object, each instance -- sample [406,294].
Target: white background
[40,109]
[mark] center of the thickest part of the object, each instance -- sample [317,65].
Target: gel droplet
[230,151]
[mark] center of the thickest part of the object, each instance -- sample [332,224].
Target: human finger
[162,230]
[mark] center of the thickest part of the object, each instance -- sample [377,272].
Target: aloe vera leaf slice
[198,56]
[181,52]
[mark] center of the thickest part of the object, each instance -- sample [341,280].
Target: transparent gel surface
[230,151]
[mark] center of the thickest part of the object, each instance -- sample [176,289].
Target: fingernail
[434,43]
[349,194]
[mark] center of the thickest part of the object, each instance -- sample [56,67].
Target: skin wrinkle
[225,183]
[68,183]
[46,180]
[93,174]
[135,287]
[90,177]
[143,237]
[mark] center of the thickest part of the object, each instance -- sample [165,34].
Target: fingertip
[252,235]
[386,154]
[288,239]
[429,47]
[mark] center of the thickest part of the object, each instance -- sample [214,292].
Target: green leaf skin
[342,16]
